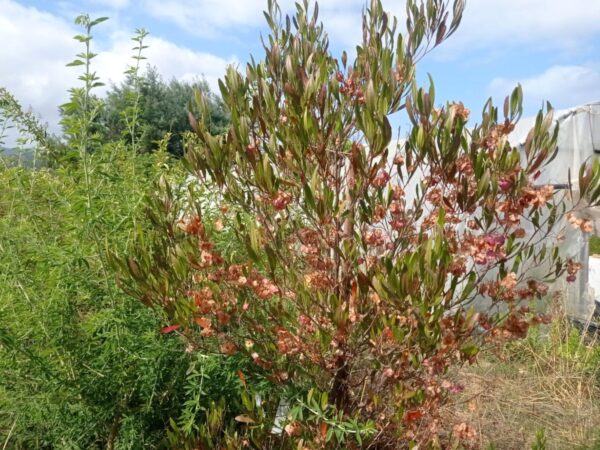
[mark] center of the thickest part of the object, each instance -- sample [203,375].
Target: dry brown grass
[549,383]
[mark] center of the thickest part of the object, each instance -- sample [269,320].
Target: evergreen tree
[163,109]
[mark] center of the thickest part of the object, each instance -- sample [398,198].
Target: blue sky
[552,47]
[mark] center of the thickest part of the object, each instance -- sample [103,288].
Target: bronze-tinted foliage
[358,260]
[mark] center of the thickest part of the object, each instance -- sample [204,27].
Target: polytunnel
[578,143]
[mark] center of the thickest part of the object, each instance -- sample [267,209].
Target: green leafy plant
[81,364]
[132,112]
[80,113]
[540,441]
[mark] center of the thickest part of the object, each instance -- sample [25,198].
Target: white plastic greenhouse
[578,142]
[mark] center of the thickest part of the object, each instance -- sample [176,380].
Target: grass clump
[541,392]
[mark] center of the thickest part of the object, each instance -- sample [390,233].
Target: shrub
[81,364]
[358,263]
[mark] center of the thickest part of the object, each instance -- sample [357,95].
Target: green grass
[595,245]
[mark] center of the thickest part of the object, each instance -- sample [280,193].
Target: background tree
[162,109]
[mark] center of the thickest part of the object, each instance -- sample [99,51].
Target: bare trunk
[340,390]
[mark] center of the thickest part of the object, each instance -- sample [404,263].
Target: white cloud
[207,17]
[36,48]
[218,18]
[487,24]
[41,44]
[114,4]
[171,61]
[563,86]
[547,24]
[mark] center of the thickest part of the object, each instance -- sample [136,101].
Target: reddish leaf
[242,377]
[323,430]
[169,329]
[412,415]
[204,322]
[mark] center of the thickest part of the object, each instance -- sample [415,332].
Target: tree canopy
[163,109]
